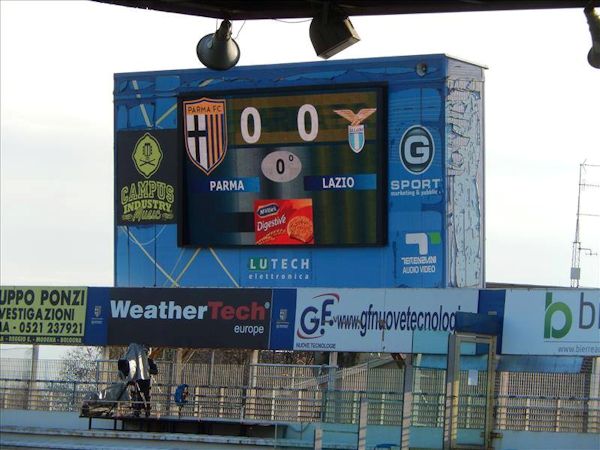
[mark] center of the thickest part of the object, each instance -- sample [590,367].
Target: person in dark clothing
[145,385]
[144,398]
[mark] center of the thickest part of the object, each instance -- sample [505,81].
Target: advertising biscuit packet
[284,222]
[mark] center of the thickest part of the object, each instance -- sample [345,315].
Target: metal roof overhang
[288,9]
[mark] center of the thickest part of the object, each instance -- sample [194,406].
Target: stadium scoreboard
[363,173]
[277,167]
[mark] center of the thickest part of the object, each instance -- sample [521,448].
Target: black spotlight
[331,32]
[219,51]
[594,24]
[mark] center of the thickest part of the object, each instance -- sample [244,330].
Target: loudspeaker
[219,51]
[594,23]
[330,33]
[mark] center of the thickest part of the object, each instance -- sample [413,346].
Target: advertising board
[558,322]
[194,318]
[42,315]
[552,322]
[146,177]
[373,320]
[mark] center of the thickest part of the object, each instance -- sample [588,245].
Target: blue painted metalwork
[419,252]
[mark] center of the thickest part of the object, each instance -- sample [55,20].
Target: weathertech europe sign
[206,318]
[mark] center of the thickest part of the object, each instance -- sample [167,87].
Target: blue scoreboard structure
[357,173]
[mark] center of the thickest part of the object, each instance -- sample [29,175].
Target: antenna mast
[577,248]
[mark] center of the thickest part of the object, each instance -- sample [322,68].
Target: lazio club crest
[147,155]
[205,128]
[356,131]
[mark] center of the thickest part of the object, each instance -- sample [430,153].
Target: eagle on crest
[355,119]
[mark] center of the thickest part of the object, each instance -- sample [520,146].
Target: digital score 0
[302,167]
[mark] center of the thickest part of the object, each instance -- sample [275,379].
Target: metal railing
[558,414]
[292,393]
[246,403]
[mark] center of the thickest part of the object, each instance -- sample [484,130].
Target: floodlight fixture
[218,51]
[331,32]
[594,23]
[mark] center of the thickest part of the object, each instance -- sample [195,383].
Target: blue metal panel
[477,323]
[492,301]
[543,364]
[121,257]
[149,255]
[467,362]
[142,270]
[283,319]
[97,316]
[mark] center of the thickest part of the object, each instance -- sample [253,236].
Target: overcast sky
[57,64]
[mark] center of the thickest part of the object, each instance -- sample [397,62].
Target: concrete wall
[60,430]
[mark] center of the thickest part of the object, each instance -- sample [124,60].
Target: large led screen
[272,167]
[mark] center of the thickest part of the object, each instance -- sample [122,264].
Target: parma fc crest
[205,129]
[356,131]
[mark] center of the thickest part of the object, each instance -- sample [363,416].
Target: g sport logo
[205,129]
[417,149]
[356,131]
[314,318]
[147,155]
[558,318]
